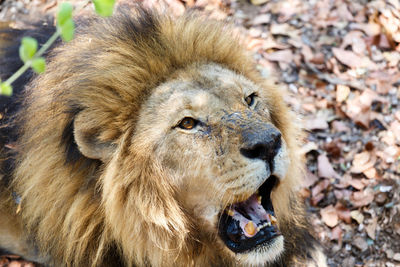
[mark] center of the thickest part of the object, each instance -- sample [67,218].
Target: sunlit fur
[138,191]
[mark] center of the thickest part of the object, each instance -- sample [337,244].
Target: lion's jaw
[211,169]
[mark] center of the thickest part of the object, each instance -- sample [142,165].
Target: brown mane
[110,67]
[101,186]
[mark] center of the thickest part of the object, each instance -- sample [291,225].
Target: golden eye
[250,99]
[188,123]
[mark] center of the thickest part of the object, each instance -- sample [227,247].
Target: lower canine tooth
[259,199]
[250,228]
[273,219]
[230,212]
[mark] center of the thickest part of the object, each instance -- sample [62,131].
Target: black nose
[262,145]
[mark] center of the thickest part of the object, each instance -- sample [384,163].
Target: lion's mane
[75,207]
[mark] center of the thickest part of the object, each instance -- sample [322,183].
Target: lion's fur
[77,202]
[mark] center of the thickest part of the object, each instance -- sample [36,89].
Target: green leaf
[39,65]
[64,13]
[27,48]
[5,89]
[104,7]
[67,30]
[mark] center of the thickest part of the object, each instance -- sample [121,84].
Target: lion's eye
[250,99]
[188,123]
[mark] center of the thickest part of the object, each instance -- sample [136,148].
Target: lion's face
[213,131]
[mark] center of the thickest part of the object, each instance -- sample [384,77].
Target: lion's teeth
[267,224]
[250,228]
[230,212]
[273,219]
[259,199]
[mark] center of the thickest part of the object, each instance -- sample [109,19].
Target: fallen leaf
[280,56]
[337,233]
[261,19]
[362,162]
[356,183]
[343,212]
[316,124]
[258,2]
[339,126]
[352,60]
[281,29]
[389,154]
[342,194]
[329,216]
[309,179]
[395,128]
[355,40]
[371,228]
[362,198]
[342,92]
[320,186]
[370,173]
[371,29]
[325,168]
[358,216]
[357,112]
[307,53]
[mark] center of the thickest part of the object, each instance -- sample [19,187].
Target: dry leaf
[337,233]
[355,39]
[309,179]
[317,123]
[258,2]
[356,183]
[371,228]
[343,213]
[329,216]
[352,60]
[339,126]
[325,168]
[362,198]
[362,162]
[281,29]
[320,186]
[342,92]
[371,29]
[342,194]
[358,216]
[307,53]
[280,56]
[370,173]
[261,19]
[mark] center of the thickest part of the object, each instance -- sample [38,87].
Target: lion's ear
[86,135]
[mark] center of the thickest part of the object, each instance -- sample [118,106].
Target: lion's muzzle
[251,223]
[262,143]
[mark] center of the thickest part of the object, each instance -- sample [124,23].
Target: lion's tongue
[250,215]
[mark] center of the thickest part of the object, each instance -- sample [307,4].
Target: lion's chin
[261,255]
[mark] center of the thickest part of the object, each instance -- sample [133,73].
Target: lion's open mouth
[246,225]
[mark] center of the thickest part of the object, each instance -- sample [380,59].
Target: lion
[151,141]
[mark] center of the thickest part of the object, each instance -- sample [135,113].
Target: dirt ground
[339,61]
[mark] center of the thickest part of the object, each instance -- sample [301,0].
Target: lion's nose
[262,145]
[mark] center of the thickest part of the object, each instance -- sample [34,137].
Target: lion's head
[155,140]
[218,136]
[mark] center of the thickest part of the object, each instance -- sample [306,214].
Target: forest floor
[339,61]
